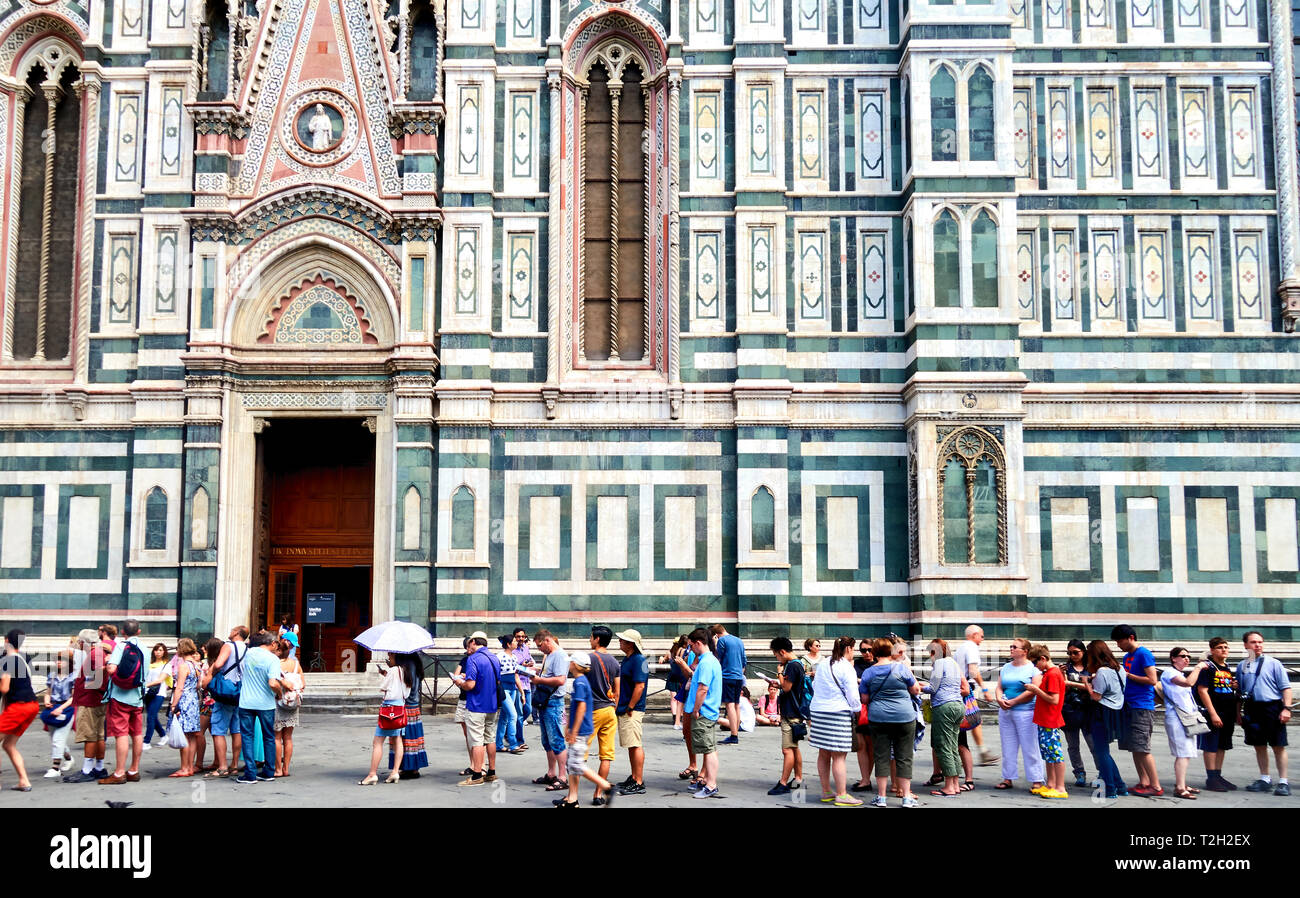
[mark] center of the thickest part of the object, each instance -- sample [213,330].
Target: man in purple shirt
[524,658]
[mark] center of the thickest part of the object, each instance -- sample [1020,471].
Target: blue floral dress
[187,706]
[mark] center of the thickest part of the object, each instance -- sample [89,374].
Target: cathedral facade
[798,315]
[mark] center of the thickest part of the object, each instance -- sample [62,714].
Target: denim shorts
[553,725]
[225,720]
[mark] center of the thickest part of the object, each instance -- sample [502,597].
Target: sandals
[936,779]
[689,773]
[968,786]
[544,780]
[1004,785]
[1185,793]
[939,794]
[214,774]
[557,786]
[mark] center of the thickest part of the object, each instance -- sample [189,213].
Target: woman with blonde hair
[834,711]
[947,687]
[287,705]
[1016,725]
[185,702]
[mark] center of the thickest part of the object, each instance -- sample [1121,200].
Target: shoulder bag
[223,690]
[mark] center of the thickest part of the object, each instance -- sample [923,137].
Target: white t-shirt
[746,715]
[393,688]
[967,653]
[1176,696]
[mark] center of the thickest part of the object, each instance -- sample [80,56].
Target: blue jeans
[506,721]
[1106,768]
[525,707]
[151,724]
[248,722]
[553,725]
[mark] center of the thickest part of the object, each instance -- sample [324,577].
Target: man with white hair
[968,660]
[91,707]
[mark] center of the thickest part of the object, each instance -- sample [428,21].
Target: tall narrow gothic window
[214,44]
[424,54]
[972,497]
[979,99]
[47,215]
[614,208]
[943,116]
[947,262]
[155,519]
[984,262]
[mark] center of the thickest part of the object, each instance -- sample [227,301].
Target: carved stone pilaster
[674,226]
[1284,137]
[555,189]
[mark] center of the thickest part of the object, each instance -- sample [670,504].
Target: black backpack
[129,673]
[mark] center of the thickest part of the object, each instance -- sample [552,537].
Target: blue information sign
[320,607]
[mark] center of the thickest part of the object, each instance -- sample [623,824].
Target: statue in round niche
[320,127]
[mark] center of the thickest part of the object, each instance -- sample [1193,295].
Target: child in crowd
[1049,689]
[579,732]
[59,711]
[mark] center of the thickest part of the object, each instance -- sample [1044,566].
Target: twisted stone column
[52,93]
[614,94]
[1284,138]
[555,190]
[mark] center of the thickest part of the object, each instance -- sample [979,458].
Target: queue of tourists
[859,697]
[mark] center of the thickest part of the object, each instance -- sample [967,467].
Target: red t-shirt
[1046,714]
[92,681]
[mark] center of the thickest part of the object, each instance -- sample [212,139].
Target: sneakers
[146,746]
[1215,784]
[1081,780]
[1260,785]
[52,773]
[80,777]
[879,802]
[100,772]
[706,792]
[909,802]
[472,781]
[779,789]
[695,785]
[730,740]
[627,782]
[1231,786]
[847,801]
[633,788]
[246,779]
[1283,790]
[266,777]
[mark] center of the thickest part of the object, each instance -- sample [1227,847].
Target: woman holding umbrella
[400,640]
[394,690]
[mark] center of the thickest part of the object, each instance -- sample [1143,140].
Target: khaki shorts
[90,724]
[605,722]
[481,727]
[704,735]
[787,734]
[629,729]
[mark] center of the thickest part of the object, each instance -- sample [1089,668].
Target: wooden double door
[318,517]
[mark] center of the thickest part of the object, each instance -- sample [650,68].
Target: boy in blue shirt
[703,704]
[580,727]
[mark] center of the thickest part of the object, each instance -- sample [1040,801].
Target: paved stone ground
[332,754]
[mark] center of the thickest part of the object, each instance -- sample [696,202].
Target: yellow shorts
[629,729]
[605,722]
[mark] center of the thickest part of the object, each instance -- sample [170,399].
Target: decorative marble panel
[467,262]
[1143,533]
[83,533]
[871,134]
[1196,146]
[1026,275]
[1060,128]
[132,19]
[874,276]
[809,106]
[1280,534]
[175,13]
[521,267]
[708,269]
[708,19]
[1144,13]
[611,532]
[812,280]
[760,255]
[1242,139]
[871,14]
[1107,282]
[523,20]
[471,13]
[544,532]
[1097,13]
[1022,116]
[121,279]
[1021,16]
[1148,112]
[169,147]
[760,129]
[1056,15]
[707,149]
[679,520]
[1063,276]
[1191,13]
[807,15]
[126,157]
[165,258]
[1071,543]
[1152,262]
[1213,547]
[523,122]
[16,531]
[1237,14]
[842,532]
[318,316]
[468,161]
[760,12]
[1101,133]
[1248,274]
[1201,264]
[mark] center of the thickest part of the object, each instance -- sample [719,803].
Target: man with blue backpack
[793,704]
[124,723]
[222,683]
